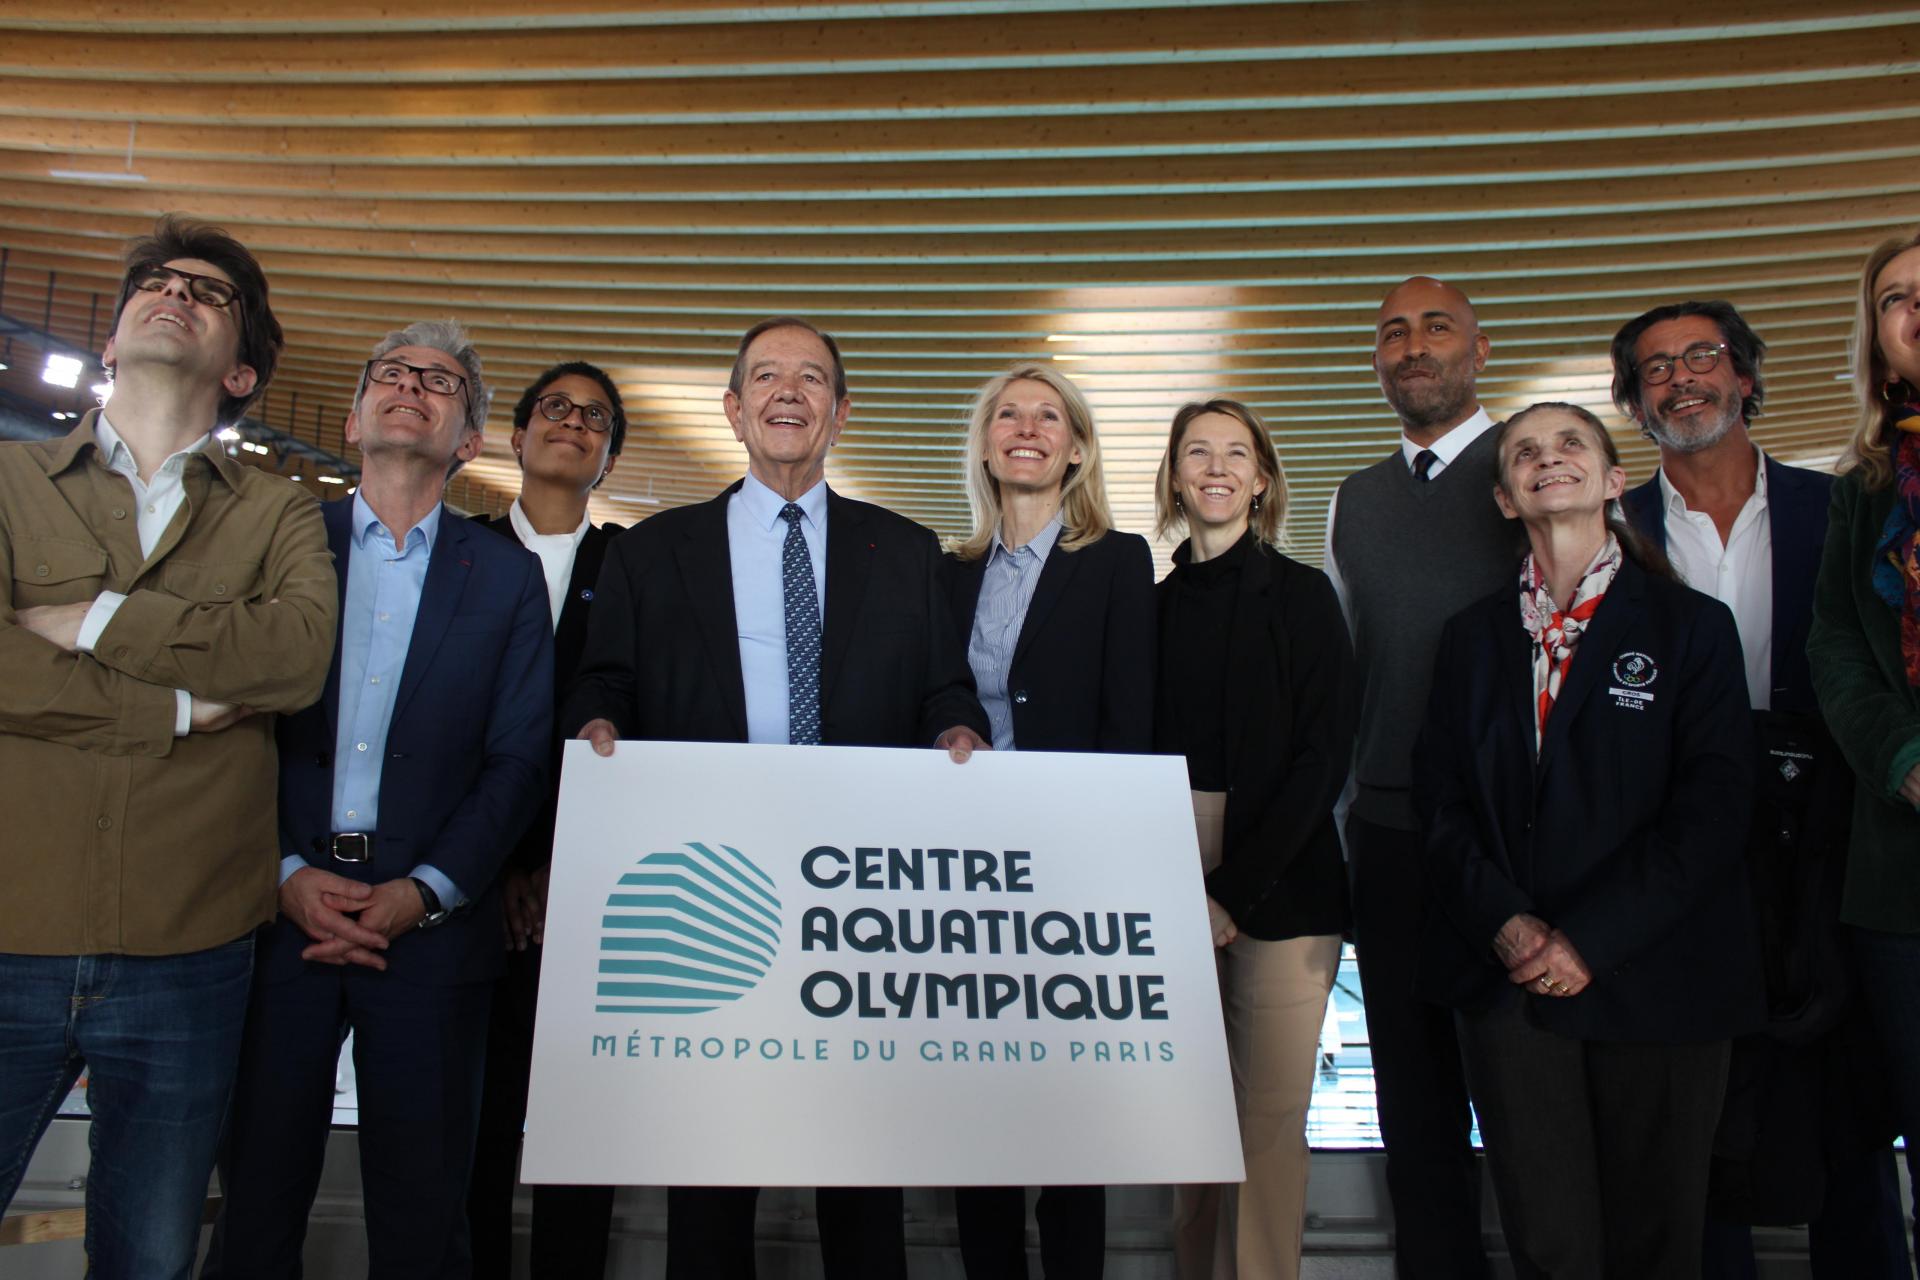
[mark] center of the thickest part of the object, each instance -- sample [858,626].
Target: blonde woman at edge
[1256,690]
[1056,609]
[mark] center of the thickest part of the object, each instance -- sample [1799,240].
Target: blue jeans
[1890,986]
[159,1037]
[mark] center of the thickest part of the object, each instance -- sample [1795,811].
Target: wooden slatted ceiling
[1170,201]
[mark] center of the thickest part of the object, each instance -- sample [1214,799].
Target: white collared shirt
[1445,450]
[156,502]
[1738,573]
[556,552]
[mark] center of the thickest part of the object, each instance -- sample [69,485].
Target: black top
[1195,621]
[1287,708]
[1626,827]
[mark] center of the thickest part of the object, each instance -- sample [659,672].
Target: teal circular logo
[686,931]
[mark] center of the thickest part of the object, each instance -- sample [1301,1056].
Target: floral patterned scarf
[1556,632]
[1896,563]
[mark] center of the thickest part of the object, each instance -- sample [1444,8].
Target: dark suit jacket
[663,646]
[466,765]
[1291,712]
[1797,501]
[1082,673]
[1628,831]
[569,642]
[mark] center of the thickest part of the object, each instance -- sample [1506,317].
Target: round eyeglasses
[555,407]
[1700,359]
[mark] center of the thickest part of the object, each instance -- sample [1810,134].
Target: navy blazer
[1797,503]
[1082,673]
[466,765]
[662,660]
[1627,829]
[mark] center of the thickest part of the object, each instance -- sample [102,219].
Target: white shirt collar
[524,530]
[1673,504]
[1454,443]
[120,458]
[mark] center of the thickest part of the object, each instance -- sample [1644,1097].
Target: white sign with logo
[805,966]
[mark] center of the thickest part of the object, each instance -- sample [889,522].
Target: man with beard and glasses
[1411,541]
[1806,1132]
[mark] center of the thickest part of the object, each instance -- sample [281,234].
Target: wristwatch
[436,914]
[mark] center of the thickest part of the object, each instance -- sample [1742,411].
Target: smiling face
[170,328]
[785,412]
[1690,411]
[404,418]
[1216,472]
[1428,352]
[565,452]
[1030,440]
[1896,307]
[1553,464]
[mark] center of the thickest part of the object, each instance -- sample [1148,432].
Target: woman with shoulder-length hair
[1585,777]
[1864,647]
[1257,692]
[1056,609]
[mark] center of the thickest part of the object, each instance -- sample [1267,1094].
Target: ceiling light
[59,415]
[3,366]
[102,391]
[95,175]
[329,479]
[229,434]
[61,371]
[296,479]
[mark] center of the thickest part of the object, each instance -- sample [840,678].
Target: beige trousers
[1274,997]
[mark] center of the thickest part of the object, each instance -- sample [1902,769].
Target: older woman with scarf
[1585,774]
[1864,647]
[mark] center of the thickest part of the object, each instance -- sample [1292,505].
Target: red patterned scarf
[1556,632]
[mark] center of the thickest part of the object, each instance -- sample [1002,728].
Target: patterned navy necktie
[803,633]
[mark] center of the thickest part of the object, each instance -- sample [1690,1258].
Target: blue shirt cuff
[446,890]
[290,864]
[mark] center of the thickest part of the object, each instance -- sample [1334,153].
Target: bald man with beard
[1411,541]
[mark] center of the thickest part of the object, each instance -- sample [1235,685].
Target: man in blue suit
[401,795]
[1748,531]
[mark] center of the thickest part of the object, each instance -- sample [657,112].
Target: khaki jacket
[119,836]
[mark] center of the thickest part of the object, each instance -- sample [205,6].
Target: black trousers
[1600,1151]
[710,1233]
[570,1224]
[1426,1121]
[993,1232]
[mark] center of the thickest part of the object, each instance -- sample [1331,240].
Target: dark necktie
[803,633]
[1422,463]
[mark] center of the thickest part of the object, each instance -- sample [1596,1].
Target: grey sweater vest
[1411,554]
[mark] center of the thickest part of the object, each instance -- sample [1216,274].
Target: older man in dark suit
[779,612]
[1806,1124]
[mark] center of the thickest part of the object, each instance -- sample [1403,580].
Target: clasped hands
[349,922]
[1540,958]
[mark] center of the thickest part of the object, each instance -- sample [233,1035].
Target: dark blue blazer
[1797,501]
[466,766]
[1626,828]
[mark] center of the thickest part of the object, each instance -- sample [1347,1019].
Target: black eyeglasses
[208,290]
[555,407]
[438,381]
[1700,359]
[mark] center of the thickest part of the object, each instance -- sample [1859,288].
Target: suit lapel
[968,577]
[570,634]
[447,571]
[849,564]
[338,519]
[1598,647]
[706,571]
[1055,573]
[1794,506]
[1513,676]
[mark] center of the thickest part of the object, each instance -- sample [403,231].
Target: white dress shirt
[156,502]
[1445,450]
[1737,573]
[556,552]
[756,544]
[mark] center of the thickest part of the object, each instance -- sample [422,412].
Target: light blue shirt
[1006,589]
[756,543]
[384,583]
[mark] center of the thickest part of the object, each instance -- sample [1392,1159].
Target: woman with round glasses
[1585,778]
[1865,649]
[568,428]
[1256,690]
[1055,607]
